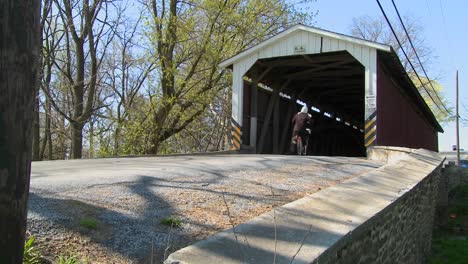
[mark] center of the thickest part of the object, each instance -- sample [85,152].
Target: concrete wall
[401,233]
[383,216]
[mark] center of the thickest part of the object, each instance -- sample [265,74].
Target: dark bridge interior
[332,86]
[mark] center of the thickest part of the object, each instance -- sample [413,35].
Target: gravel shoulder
[125,199]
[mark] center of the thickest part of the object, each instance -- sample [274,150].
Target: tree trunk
[36,131]
[154,147]
[78,92]
[76,140]
[117,128]
[43,147]
[91,139]
[48,134]
[116,140]
[19,53]
[62,149]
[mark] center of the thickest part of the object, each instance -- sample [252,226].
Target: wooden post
[256,78]
[266,122]
[285,139]
[276,127]
[253,112]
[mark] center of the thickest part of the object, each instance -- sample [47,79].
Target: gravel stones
[128,197]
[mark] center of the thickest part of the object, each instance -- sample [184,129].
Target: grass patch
[461,190]
[450,243]
[171,221]
[31,253]
[89,222]
[68,260]
[448,250]
[459,208]
[461,217]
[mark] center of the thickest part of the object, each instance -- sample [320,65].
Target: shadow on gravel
[136,230]
[130,234]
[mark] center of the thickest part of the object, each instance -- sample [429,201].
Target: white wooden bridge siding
[284,46]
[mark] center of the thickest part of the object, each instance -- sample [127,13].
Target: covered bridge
[357,91]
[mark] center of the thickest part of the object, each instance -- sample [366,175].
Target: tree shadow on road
[126,232]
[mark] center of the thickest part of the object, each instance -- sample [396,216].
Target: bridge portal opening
[357,91]
[331,84]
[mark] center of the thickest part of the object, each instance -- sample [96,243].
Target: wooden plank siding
[399,119]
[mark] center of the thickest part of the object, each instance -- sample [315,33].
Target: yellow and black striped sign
[236,135]
[370,130]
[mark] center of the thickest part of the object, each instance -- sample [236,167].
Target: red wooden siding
[398,122]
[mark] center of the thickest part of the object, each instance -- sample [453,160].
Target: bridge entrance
[330,84]
[357,91]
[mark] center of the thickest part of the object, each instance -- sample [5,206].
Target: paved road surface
[128,197]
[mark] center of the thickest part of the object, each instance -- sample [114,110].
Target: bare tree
[376,29]
[88,27]
[37,152]
[464,117]
[19,53]
[126,73]
[51,38]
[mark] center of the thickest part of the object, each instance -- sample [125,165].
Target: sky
[444,23]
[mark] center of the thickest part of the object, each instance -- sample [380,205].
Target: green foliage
[427,92]
[459,207]
[461,191]
[71,259]
[450,242]
[171,221]
[135,136]
[453,251]
[165,94]
[31,253]
[89,222]
[188,50]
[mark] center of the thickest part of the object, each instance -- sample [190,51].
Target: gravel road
[125,199]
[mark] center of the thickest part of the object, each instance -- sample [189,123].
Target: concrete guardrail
[383,216]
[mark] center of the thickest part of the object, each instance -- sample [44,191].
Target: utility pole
[456,119]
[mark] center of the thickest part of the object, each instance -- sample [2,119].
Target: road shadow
[134,230]
[128,233]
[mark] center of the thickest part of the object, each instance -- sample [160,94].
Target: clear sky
[444,23]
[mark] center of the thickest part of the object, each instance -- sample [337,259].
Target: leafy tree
[190,38]
[439,111]
[127,72]
[114,83]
